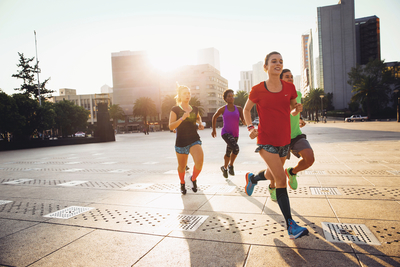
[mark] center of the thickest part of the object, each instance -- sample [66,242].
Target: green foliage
[116,113]
[312,102]
[10,119]
[70,118]
[194,101]
[371,86]
[144,107]
[27,74]
[354,106]
[241,98]
[168,102]
[28,110]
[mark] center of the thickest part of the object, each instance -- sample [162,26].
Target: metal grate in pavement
[2,202]
[324,191]
[186,222]
[73,183]
[349,233]
[19,181]
[394,172]
[68,212]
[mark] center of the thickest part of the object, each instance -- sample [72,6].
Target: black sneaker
[224,171]
[231,171]
[183,189]
[187,168]
[194,188]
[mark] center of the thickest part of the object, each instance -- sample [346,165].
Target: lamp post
[37,71]
[322,106]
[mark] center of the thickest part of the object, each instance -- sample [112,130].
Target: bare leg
[198,156]
[307,160]
[226,161]
[233,157]
[182,162]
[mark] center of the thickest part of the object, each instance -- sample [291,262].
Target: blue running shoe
[249,185]
[296,231]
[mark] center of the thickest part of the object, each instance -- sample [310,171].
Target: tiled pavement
[118,204]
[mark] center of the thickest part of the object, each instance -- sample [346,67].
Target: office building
[259,75]
[246,81]
[336,50]
[208,56]
[367,39]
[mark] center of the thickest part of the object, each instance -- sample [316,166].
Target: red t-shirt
[274,113]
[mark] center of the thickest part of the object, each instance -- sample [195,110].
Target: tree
[28,109]
[144,107]
[312,101]
[241,98]
[168,102]
[27,74]
[10,119]
[194,101]
[371,85]
[116,113]
[70,118]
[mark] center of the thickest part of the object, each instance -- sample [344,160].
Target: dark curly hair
[226,92]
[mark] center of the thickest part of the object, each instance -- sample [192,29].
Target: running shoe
[292,179]
[183,189]
[296,231]
[272,192]
[224,171]
[249,185]
[231,171]
[194,188]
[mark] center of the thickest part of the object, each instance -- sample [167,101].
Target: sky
[75,38]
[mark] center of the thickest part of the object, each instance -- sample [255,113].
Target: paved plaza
[118,204]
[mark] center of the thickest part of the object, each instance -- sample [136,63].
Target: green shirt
[295,121]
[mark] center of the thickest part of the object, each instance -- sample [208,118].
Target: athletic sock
[182,177]
[196,173]
[260,176]
[284,204]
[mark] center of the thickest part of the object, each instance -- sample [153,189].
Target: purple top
[231,122]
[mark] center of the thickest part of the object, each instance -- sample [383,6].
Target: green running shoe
[292,179]
[272,192]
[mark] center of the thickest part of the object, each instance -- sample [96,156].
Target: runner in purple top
[231,115]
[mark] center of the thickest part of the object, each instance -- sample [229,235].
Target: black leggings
[232,145]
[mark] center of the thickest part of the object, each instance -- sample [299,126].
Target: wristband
[181,118]
[250,127]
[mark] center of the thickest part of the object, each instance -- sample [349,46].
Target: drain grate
[19,181]
[349,233]
[68,212]
[186,222]
[2,202]
[73,183]
[324,191]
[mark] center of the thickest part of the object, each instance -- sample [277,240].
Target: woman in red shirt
[274,100]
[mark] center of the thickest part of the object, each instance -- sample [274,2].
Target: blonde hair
[179,89]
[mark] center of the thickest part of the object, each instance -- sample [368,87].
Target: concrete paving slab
[9,227]
[189,252]
[235,204]
[374,260]
[22,248]
[343,180]
[107,248]
[366,209]
[303,206]
[283,255]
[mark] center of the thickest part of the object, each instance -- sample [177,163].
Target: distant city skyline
[76,38]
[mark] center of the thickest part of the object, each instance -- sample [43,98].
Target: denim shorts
[281,150]
[186,149]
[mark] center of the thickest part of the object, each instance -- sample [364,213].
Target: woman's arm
[247,117]
[174,122]
[214,120]
[199,121]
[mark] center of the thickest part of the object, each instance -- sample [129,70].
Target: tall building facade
[367,39]
[134,77]
[306,66]
[208,56]
[337,50]
[246,81]
[259,75]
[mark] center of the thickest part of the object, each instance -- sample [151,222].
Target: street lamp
[322,106]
